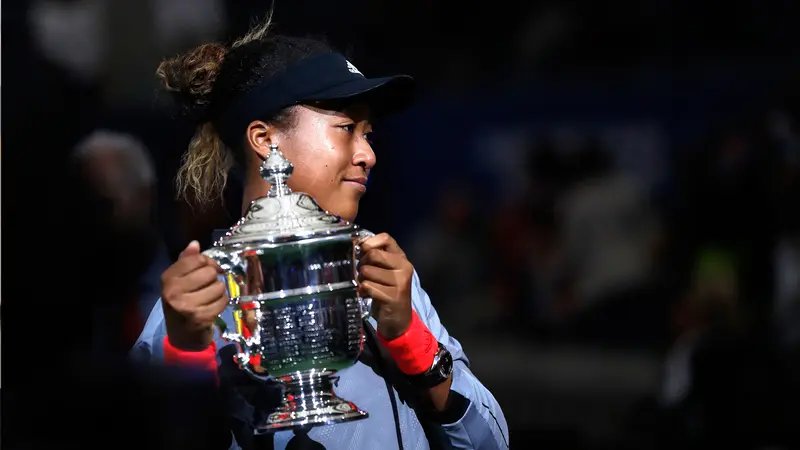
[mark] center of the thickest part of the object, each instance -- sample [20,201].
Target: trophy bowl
[290,271]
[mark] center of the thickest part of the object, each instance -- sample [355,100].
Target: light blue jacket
[482,426]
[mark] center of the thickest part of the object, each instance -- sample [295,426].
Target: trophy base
[308,401]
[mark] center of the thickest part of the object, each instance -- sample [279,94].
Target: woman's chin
[348,213]
[349,217]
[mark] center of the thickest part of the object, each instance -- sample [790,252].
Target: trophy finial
[276,170]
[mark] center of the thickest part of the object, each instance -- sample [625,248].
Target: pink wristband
[203,360]
[414,350]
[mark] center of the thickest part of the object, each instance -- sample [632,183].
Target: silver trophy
[290,270]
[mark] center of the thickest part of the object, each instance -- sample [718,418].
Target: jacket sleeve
[475,419]
[149,349]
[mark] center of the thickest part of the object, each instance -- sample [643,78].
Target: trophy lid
[282,215]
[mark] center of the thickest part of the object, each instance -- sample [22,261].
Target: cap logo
[353,69]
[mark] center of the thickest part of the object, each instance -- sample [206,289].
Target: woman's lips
[359,183]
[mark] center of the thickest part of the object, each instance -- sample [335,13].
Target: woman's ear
[260,136]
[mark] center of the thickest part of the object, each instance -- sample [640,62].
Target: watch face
[446,364]
[441,370]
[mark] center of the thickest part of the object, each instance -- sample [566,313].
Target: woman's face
[331,154]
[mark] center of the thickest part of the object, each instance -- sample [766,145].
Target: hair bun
[190,78]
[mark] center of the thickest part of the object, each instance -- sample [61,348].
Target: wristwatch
[440,371]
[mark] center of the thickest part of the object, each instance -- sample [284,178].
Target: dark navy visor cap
[327,77]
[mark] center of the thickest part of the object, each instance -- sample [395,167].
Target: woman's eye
[351,128]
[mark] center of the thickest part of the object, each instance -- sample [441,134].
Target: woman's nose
[364,157]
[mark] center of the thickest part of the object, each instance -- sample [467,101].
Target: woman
[315,106]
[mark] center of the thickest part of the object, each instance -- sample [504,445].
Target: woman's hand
[385,275]
[192,297]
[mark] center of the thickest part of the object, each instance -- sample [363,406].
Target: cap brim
[384,96]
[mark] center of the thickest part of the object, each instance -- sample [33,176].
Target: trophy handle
[231,263]
[233,267]
[364,302]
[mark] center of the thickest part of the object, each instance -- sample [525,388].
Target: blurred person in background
[609,235]
[123,250]
[526,247]
[719,385]
[710,309]
[110,266]
[316,106]
[102,217]
[112,46]
[729,193]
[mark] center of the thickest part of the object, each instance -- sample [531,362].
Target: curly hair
[205,79]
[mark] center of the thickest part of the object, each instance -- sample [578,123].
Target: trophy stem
[309,400]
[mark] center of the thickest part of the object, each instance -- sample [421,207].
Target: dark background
[590,191]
